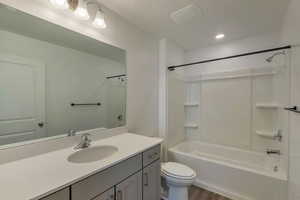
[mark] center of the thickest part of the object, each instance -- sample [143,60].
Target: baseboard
[220,191]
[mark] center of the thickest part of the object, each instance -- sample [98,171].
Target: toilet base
[178,193]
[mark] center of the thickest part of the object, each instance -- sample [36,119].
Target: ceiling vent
[186,14]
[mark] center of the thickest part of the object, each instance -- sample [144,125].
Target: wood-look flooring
[196,193]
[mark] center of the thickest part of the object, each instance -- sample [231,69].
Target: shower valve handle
[293,109]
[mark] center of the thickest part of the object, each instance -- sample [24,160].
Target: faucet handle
[85,141]
[85,135]
[72,132]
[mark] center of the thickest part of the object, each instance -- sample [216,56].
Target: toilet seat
[177,171]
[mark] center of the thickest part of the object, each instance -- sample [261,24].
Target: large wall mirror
[53,80]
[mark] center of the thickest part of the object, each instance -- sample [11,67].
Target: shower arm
[293,109]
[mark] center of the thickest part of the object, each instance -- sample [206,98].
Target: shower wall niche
[191,107]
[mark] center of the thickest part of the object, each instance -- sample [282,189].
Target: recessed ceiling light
[220,36]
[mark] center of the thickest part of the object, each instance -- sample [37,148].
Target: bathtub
[232,172]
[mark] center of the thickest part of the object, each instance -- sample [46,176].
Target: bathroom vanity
[131,173]
[133,179]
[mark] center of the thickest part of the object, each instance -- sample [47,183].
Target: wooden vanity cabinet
[137,178]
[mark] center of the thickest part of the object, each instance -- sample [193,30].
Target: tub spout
[278,136]
[273,151]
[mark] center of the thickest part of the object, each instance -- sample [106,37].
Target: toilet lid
[177,170]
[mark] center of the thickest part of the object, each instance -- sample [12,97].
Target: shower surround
[233,113]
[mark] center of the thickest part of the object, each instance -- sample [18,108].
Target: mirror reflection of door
[22,102]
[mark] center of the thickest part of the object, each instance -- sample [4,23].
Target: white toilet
[178,177]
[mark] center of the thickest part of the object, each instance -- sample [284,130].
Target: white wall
[171,94]
[71,76]
[175,95]
[142,53]
[291,35]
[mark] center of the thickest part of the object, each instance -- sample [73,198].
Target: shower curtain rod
[172,68]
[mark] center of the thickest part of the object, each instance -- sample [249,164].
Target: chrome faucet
[85,141]
[72,132]
[278,136]
[273,151]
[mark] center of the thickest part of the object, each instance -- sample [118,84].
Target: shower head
[270,59]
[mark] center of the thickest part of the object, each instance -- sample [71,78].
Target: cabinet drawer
[151,155]
[60,195]
[99,183]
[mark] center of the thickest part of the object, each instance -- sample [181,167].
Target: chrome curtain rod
[172,68]
[116,76]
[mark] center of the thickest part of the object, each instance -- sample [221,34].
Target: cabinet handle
[146,183]
[41,124]
[119,195]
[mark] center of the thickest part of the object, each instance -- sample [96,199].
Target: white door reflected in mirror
[22,101]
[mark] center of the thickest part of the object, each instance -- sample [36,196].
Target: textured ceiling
[236,18]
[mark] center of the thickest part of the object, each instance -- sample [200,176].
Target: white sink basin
[92,154]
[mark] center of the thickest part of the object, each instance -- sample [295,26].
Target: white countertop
[35,177]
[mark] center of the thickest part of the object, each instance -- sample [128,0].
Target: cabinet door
[108,195]
[151,181]
[60,195]
[130,188]
[95,185]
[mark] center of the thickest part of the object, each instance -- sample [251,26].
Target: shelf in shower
[267,134]
[267,105]
[191,104]
[191,125]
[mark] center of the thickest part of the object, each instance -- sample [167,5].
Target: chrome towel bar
[86,104]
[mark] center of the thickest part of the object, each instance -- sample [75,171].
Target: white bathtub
[235,173]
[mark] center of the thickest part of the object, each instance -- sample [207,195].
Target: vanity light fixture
[84,10]
[61,4]
[99,21]
[81,10]
[220,36]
